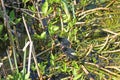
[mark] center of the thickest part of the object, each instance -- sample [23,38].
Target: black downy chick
[63,41]
[69,52]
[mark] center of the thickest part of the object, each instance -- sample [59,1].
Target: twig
[33,50]
[29,43]
[80,23]
[103,57]
[106,42]
[39,15]
[85,13]
[86,72]
[9,54]
[1,64]
[106,30]
[89,51]
[16,38]
[45,51]
[91,10]
[111,2]
[26,45]
[29,60]
[26,28]
[26,11]
[61,21]
[6,23]
[114,51]
[113,67]
[101,68]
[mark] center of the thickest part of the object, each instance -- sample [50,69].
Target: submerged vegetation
[87,45]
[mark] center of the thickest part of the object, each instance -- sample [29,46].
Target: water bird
[69,52]
[63,41]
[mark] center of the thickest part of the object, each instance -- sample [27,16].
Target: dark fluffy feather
[63,41]
[69,52]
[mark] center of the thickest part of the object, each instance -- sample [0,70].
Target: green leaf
[54,1]
[102,1]
[64,67]
[25,1]
[45,8]
[52,62]
[43,35]
[75,65]
[50,10]
[74,72]
[33,67]
[27,76]
[32,8]
[42,67]
[51,1]
[55,28]
[1,29]
[17,20]
[83,2]
[52,57]
[9,77]
[57,1]
[78,76]
[36,36]
[5,37]
[12,15]
[65,7]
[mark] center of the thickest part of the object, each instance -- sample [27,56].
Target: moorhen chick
[69,52]
[63,41]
